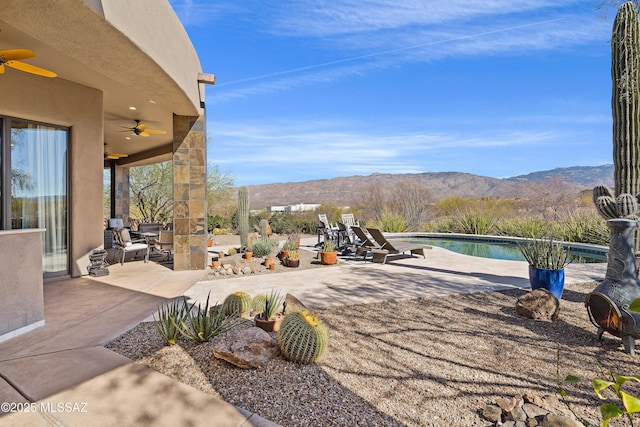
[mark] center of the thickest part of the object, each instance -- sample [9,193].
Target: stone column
[189,193]
[120,199]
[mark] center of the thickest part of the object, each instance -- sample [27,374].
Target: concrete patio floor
[73,380]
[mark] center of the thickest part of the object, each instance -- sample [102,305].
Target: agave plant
[170,316]
[205,323]
[273,301]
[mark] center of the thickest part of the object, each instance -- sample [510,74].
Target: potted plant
[248,250]
[328,254]
[269,319]
[289,245]
[547,260]
[292,259]
[210,240]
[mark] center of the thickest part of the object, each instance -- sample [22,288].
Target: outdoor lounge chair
[387,248]
[362,244]
[124,244]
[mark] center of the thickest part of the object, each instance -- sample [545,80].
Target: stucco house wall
[64,103]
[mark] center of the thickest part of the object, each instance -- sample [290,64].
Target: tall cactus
[625,101]
[243,215]
[625,106]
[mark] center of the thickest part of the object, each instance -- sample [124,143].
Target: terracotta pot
[215,264]
[328,258]
[268,261]
[248,255]
[221,255]
[283,254]
[209,243]
[272,325]
[272,267]
[293,262]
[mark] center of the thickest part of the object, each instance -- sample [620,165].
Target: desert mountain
[346,191]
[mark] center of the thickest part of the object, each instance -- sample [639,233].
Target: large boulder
[538,305]
[247,348]
[293,304]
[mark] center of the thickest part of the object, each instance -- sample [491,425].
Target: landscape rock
[553,420]
[247,348]
[292,304]
[492,413]
[508,404]
[538,305]
[547,411]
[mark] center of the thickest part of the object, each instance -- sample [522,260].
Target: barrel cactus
[303,337]
[258,303]
[243,215]
[237,302]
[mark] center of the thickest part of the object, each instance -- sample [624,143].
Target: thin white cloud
[426,45]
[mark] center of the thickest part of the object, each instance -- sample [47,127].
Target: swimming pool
[497,247]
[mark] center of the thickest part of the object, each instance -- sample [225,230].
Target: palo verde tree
[220,197]
[151,190]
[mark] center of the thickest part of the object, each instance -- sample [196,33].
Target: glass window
[38,165]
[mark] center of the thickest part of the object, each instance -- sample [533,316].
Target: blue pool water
[497,250]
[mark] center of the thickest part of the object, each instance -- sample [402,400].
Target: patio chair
[349,221]
[396,248]
[325,229]
[125,244]
[362,244]
[165,244]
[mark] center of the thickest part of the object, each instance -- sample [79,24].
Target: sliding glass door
[39,195]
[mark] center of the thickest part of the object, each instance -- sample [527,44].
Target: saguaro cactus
[243,215]
[625,107]
[625,101]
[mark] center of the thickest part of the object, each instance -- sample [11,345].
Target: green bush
[583,228]
[473,221]
[282,223]
[392,222]
[440,225]
[523,227]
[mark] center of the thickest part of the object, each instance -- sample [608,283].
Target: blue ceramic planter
[551,280]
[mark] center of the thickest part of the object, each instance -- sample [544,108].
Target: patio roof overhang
[136,52]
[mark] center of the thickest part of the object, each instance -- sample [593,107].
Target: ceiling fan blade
[145,134]
[1,68]
[15,54]
[116,156]
[155,132]
[141,127]
[31,69]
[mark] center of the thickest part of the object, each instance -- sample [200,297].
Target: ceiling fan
[141,130]
[113,156]
[11,58]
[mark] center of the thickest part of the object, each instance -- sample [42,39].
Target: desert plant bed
[436,361]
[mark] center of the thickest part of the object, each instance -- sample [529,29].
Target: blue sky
[326,88]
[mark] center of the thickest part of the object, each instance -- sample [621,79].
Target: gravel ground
[425,362]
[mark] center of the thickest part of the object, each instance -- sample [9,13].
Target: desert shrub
[282,223]
[475,221]
[440,225]
[217,221]
[453,204]
[523,227]
[307,226]
[392,222]
[582,227]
